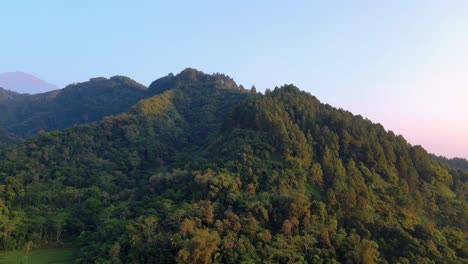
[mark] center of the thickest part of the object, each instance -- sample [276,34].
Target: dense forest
[5,139]
[26,115]
[202,170]
[7,94]
[456,163]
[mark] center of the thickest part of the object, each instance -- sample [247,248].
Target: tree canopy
[205,171]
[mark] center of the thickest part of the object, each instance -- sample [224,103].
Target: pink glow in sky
[429,107]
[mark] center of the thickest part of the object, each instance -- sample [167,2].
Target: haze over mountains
[22,82]
[197,169]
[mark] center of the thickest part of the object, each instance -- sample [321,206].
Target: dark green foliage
[6,95]
[25,115]
[6,139]
[456,163]
[207,172]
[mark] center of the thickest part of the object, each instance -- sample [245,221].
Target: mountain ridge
[84,102]
[6,94]
[207,172]
[78,103]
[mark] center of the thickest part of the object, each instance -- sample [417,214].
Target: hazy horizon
[399,64]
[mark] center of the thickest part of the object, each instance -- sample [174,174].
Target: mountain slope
[456,163]
[7,94]
[207,172]
[22,82]
[25,115]
[5,139]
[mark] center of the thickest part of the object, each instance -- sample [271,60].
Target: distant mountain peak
[23,82]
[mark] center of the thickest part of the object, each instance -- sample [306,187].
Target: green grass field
[42,256]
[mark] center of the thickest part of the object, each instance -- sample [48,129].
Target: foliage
[208,172]
[26,115]
[44,256]
[456,163]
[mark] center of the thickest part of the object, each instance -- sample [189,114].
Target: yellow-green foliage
[155,105]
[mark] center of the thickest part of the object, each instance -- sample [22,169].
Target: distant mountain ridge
[456,163]
[25,115]
[22,82]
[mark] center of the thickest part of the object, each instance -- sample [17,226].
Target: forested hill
[25,115]
[7,94]
[208,172]
[5,139]
[456,163]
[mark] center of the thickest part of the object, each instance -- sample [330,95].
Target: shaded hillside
[6,95]
[5,139]
[207,172]
[456,163]
[25,115]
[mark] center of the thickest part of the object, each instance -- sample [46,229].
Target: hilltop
[201,170]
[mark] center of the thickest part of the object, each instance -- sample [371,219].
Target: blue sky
[401,63]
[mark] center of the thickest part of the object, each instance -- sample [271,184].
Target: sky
[400,63]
